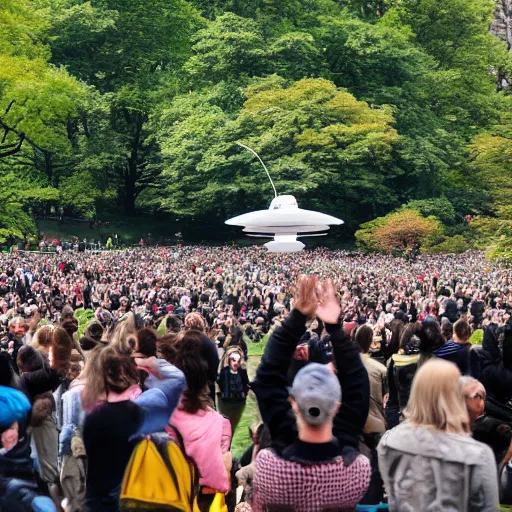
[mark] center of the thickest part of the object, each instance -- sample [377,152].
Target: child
[233,383]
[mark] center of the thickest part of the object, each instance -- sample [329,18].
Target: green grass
[241,439]
[130,230]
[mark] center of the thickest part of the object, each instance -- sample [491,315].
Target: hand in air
[305,299]
[329,308]
[149,364]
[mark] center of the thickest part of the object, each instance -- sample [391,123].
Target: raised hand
[305,299]
[329,308]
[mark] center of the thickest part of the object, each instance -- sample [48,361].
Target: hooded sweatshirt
[207,437]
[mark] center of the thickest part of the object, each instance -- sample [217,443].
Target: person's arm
[211,354]
[355,387]
[225,441]
[166,385]
[392,408]
[245,379]
[71,414]
[270,384]
[484,483]
[348,424]
[41,381]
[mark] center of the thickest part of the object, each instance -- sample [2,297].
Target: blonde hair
[124,334]
[196,321]
[437,399]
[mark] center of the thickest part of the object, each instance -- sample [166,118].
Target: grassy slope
[241,438]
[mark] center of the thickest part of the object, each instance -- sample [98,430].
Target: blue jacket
[111,429]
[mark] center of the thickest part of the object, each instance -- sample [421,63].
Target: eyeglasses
[478,395]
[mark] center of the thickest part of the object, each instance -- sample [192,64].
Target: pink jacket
[207,436]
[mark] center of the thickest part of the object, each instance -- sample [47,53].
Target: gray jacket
[425,470]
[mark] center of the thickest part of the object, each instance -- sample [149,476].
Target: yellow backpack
[159,477]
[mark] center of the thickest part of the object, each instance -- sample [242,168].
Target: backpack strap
[195,470]
[179,437]
[161,447]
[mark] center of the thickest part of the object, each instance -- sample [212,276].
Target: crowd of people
[369,390]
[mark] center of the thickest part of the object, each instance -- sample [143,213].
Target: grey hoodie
[425,470]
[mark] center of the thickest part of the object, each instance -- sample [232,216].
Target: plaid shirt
[283,485]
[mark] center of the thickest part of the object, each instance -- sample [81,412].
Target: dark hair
[462,329]
[409,339]
[29,359]
[119,370]
[396,327]
[191,362]
[364,337]
[146,341]
[446,328]
[166,347]
[430,336]
[507,348]
[94,330]
[173,324]
[495,434]
[67,313]
[62,344]
[70,325]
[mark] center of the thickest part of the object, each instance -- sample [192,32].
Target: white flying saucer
[285,212]
[283,221]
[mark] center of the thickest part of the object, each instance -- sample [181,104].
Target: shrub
[452,245]
[403,232]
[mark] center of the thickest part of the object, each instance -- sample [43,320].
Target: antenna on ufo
[261,161]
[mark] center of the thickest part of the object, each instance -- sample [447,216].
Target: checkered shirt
[282,485]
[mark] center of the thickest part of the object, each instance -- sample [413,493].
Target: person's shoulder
[373,363]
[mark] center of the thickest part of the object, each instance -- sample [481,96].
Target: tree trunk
[131,169]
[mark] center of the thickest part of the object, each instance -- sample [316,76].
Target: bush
[403,232]
[451,245]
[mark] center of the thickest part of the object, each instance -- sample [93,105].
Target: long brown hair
[189,360]
[107,369]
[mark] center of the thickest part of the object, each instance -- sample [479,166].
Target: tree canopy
[356,107]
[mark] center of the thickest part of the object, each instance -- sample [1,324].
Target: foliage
[440,208]
[356,106]
[501,249]
[321,144]
[491,153]
[15,222]
[79,194]
[450,245]
[402,232]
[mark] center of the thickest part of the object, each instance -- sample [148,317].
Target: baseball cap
[317,392]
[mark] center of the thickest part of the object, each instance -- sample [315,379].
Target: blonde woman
[430,462]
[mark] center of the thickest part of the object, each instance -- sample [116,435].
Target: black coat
[270,385]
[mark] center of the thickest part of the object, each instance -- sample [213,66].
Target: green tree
[229,48]
[321,144]
[127,49]
[37,101]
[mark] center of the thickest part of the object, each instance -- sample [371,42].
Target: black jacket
[270,385]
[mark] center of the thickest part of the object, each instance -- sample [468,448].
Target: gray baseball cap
[317,392]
